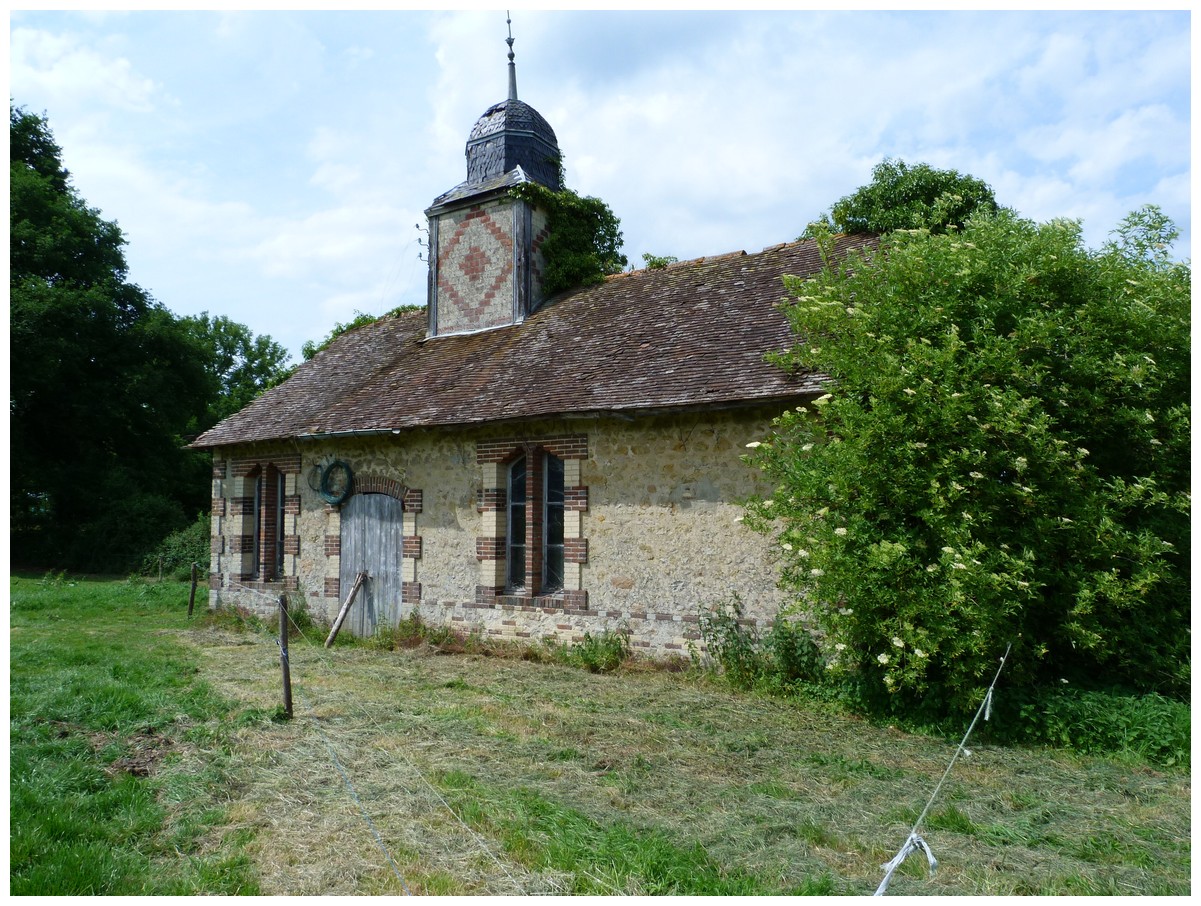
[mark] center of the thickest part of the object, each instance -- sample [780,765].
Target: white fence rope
[914,842]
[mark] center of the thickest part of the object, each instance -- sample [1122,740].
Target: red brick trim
[575,599]
[218,507]
[490,500]
[413,500]
[564,446]
[217,544]
[333,545]
[411,547]
[575,550]
[379,484]
[488,548]
[410,592]
[332,586]
[288,463]
[291,544]
[219,466]
[576,499]
[241,544]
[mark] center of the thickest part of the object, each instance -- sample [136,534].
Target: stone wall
[653,528]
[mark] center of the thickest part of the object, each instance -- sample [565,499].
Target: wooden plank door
[373,540]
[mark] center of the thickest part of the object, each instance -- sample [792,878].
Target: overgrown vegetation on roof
[583,243]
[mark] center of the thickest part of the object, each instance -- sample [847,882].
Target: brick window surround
[494,459]
[264,509]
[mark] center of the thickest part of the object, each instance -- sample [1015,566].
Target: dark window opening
[552,524]
[515,535]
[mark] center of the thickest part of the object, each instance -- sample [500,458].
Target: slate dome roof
[513,134]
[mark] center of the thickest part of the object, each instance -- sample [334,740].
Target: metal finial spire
[512,65]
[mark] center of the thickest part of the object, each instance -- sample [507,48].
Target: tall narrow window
[258,524]
[279,525]
[515,533]
[552,524]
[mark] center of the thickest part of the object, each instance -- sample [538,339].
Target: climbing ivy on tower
[583,243]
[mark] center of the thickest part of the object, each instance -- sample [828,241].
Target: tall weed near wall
[786,660]
[781,659]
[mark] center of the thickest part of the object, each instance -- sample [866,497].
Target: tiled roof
[693,334]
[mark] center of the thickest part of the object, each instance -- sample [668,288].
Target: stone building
[520,466]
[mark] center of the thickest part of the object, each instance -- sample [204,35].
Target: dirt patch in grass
[409,770]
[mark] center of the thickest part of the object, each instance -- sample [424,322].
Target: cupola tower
[485,245]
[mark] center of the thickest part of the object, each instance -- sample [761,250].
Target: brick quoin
[490,500]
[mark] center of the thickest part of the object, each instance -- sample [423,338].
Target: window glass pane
[552,524]
[279,525]
[258,523]
[517,481]
[515,529]
[554,479]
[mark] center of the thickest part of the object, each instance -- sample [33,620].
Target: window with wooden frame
[534,505]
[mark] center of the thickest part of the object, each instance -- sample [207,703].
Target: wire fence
[324,660]
[913,843]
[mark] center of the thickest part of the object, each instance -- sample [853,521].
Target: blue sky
[274,166]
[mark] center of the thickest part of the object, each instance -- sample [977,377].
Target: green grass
[600,858]
[148,756]
[100,697]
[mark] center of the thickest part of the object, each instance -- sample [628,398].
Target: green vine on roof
[583,243]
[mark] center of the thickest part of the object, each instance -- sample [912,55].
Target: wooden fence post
[192,595]
[358,582]
[283,654]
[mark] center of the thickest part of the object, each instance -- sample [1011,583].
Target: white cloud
[59,68]
[273,165]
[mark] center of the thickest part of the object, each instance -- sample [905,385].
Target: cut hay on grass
[439,748]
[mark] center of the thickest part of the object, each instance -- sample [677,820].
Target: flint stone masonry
[661,526]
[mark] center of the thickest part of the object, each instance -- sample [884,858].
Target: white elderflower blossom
[840,531]
[840,647]
[898,641]
[753,444]
[919,652]
[882,658]
[817,572]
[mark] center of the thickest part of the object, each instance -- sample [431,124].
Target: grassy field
[148,757]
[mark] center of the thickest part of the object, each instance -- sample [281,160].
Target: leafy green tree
[1002,458]
[904,197]
[103,381]
[239,364]
[583,243]
[658,262]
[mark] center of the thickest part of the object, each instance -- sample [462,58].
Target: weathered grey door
[372,540]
